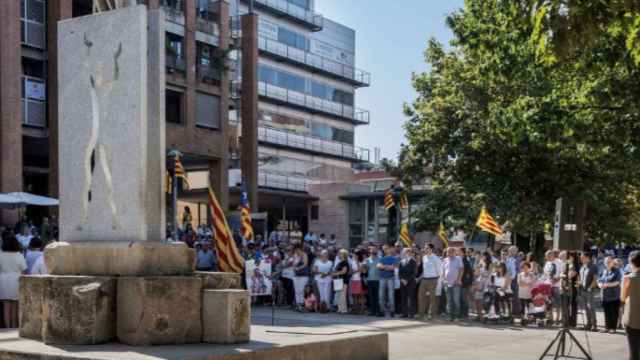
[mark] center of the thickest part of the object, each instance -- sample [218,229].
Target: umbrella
[24,199]
[9,202]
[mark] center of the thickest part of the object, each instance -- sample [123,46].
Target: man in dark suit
[407,272]
[588,288]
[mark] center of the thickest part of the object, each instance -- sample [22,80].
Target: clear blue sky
[391,36]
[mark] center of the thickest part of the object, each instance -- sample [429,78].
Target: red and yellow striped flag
[229,258]
[486,223]
[405,236]
[404,201]
[246,229]
[389,202]
[181,173]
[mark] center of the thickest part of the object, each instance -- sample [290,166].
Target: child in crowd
[310,301]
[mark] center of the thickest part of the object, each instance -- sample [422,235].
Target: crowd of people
[22,253]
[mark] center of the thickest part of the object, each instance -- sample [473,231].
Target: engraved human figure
[97,151]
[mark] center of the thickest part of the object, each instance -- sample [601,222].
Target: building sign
[34,89]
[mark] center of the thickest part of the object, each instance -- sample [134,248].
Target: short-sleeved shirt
[612,293]
[388,261]
[373,273]
[452,268]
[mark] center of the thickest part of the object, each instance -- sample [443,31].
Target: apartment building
[197,96]
[307,116]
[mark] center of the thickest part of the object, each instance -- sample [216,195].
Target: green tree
[497,123]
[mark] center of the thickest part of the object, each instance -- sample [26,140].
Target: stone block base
[226,316]
[159,310]
[68,310]
[98,258]
[219,280]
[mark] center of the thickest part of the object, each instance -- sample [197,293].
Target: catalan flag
[442,234]
[181,173]
[389,202]
[405,236]
[229,258]
[246,229]
[486,223]
[404,201]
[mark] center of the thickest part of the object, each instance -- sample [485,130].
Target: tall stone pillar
[221,171]
[249,107]
[10,105]
[58,10]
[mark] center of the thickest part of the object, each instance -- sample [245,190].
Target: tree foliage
[503,121]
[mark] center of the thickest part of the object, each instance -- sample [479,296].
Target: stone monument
[112,276]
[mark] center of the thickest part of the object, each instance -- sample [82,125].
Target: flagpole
[174,194]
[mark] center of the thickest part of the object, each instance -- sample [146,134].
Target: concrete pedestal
[159,310]
[68,310]
[119,258]
[226,316]
[219,280]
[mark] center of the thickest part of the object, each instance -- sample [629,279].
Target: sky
[391,36]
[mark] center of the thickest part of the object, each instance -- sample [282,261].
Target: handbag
[338,284]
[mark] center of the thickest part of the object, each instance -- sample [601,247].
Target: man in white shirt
[431,271]
[552,272]
[24,238]
[452,270]
[512,272]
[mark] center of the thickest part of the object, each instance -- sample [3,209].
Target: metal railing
[207,72]
[304,16]
[174,10]
[175,63]
[283,181]
[350,113]
[33,102]
[355,75]
[207,26]
[305,142]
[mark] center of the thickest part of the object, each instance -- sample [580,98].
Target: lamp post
[173,156]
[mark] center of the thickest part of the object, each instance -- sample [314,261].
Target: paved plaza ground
[441,339]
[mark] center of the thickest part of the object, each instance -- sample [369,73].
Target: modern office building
[197,95]
[307,114]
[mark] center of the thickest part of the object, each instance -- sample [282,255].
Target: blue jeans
[453,300]
[387,289]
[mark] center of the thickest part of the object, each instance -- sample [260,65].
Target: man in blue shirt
[205,257]
[372,272]
[387,267]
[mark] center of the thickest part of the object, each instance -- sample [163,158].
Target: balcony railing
[357,116]
[282,181]
[174,10]
[175,63]
[34,106]
[305,142]
[305,17]
[356,76]
[208,73]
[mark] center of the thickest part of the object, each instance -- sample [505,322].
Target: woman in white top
[526,281]
[502,283]
[322,269]
[12,265]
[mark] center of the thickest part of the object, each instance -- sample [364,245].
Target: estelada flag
[404,201]
[442,234]
[389,202]
[486,223]
[181,173]
[229,258]
[246,228]
[405,236]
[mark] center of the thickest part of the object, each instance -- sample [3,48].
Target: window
[318,90]
[173,110]
[207,110]
[302,3]
[32,19]
[315,212]
[291,38]
[268,75]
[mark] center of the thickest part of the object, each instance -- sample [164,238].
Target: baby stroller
[491,306]
[540,306]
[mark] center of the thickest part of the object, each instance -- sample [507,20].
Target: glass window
[173,110]
[268,75]
[322,131]
[356,212]
[292,82]
[318,90]
[207,110]
[342,97]
[35,11]
[343,136]
[302,3]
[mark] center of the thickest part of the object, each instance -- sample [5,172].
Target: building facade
[307,114]
[197,97]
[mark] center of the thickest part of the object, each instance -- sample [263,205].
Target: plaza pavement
[440,339]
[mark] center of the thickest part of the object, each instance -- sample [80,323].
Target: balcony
[207,73]
[175,63]
[284,8]
[282,181]
[290,139]
[174,10]
[33,102]
[357,77]
[308,102]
